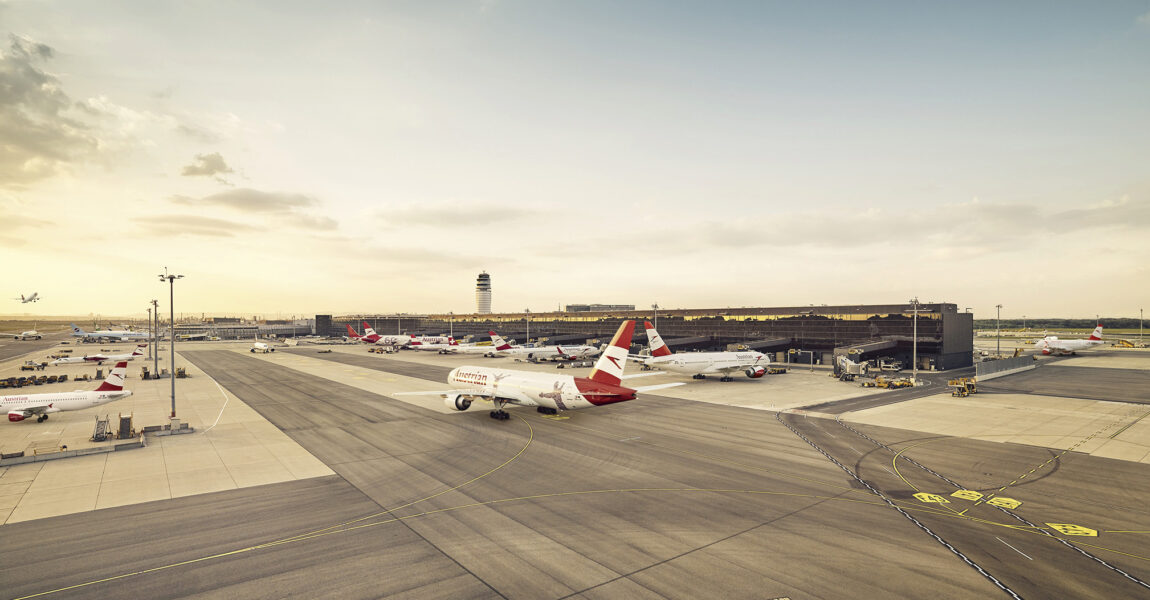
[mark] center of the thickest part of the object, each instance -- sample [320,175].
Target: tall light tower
[914,344]
[451,324]
[149,326]
[172,306]
[527,311]
[655,307]
[998,331]
[156,337]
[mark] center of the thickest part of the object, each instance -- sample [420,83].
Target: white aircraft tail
[1097,335]
[76,329]
[658,347]
[139,351]
[367,330]
[609,367]
[115,379]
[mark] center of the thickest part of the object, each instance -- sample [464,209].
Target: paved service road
[36,349]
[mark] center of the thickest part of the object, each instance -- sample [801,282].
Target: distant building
[483,294]
[597,307]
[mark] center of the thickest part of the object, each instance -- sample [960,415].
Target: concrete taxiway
[701,491]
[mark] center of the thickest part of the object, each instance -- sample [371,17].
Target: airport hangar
[945,335]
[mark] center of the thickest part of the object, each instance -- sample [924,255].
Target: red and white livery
[1052,345]
[41,405]
[547,392]
[502,348]
[700,364]
[100,359]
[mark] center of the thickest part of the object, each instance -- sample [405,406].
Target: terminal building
[802,334]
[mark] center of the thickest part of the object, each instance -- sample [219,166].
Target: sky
[374,157]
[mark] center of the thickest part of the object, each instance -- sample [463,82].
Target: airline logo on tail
[139,351]
[115,380]
[498,342]
[655,341]
[609,368]
[367,330]
[1097,335]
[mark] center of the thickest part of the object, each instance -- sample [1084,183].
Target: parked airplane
[25,300]
[700,364]
[502,348]
[31,334]
[100,359]
[547,392]
[430,339]
[385,340]
[117,334]
[447,347]
[41,405]
[262,347]
[1052,345]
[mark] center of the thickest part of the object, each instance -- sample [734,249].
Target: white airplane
[547,392]
[384,340]
[700,364]
[31,334]
[113,334]
[502,348]
[41,405]
[25,300]
[447,347]
[100,359]
[262,347]
[1052,345]
[431,339]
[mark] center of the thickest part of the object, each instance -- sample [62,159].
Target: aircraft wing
[471,392]
[33,410]
[661,386]
[647,374]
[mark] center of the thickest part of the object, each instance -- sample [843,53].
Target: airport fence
[1006,366]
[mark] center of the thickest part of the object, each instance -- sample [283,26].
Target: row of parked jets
[547,392]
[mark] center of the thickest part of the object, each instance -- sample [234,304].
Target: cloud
[207,165]
[1143,19]
[11,222]
[252,201]
[164,225]
[464,216]
[40,132]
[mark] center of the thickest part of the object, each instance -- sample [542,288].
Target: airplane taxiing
[1052,345]
[41,405]
[31,334]
[118,334]
[700,364]
[262,347]
[502,348]
[547,392]
[100,359]
[35,296]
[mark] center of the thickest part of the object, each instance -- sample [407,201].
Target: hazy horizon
[296,158]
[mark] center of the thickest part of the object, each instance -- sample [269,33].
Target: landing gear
[547,411]
[726,378]
[500,415]
[41,418]
[698,376]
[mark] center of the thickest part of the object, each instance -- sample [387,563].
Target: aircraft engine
[756,372]
[457,402]
[15,416]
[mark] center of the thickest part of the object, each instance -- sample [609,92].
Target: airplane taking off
[700,364]
[502,348]
[118,334]
[262,347]
[548,393]
[100,359]
[32,298]
[31,334]
[1052,345]
[41,405]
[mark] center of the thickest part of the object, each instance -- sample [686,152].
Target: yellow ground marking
[1071,529]
[1004,502]
[931,498]
[554,417]
[1122,531]
[967,495]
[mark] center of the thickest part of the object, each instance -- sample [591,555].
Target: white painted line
[629,439]
[1013,548]
[889,471]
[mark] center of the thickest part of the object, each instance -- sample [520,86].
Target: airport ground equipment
[777,371]
[100,432]
[963,387]
[181,372]
[1123,344]
[125,430]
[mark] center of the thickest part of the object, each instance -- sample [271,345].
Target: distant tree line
[1059,323]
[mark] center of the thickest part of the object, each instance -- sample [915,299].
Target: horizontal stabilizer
[661,386]
[647,374]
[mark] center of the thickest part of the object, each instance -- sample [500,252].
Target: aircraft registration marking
[1071,529]
[931,498]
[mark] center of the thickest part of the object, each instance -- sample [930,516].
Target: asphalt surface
[1091,383]
[652,498]
[11,348]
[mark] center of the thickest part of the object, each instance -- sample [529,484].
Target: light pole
[1024,322]
[914,345]
[998,332]
[1139,326]
[150,326]
[172,307]
[527,311]
[451,324]
[156,337]
[655,307]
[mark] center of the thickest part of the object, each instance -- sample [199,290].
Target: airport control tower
[483,294]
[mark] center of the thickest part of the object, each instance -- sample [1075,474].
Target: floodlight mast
[172,329]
